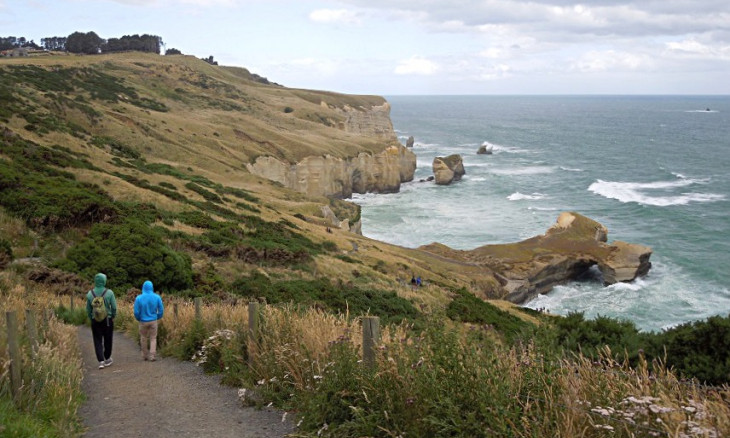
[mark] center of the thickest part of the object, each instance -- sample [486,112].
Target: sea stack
[448,169]
[485,149]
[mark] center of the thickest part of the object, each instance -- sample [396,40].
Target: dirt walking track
[166,398]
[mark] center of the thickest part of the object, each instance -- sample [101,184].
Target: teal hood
[99,283]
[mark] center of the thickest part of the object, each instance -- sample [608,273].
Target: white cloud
[416,65]
[323,67]
[493,53]
[335,16]
[611,60]
[498,71]
[691,48]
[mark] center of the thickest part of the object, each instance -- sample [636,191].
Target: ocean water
[655,170]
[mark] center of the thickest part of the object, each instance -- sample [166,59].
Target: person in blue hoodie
[148,309]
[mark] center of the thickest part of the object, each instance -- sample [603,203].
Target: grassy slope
[210,121]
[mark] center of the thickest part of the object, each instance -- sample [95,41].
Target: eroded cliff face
[328,175]
[332,176]
[374,121]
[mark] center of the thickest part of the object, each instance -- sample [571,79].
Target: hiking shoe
[101,364]
[108,362]
[152,359]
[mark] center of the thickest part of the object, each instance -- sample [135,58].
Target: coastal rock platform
[566,251]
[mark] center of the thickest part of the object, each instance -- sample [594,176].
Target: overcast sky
[389,47]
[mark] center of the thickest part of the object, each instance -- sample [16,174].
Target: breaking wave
[517,196]
[645,193]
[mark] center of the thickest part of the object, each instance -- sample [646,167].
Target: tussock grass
[444,380]
[51,394]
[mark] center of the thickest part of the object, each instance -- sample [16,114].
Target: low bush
[129,254]
[465,307]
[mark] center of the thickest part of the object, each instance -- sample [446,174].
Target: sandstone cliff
[327,175]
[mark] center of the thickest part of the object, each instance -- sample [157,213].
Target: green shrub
[465,307]
[46,197]
[196,219]
[206,194]
[115,146]
[574,333]
[167,185]
[699,349]
[77,316]
[6,250]
[129,254]
[191,343]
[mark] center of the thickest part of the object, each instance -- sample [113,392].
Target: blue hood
[147,287]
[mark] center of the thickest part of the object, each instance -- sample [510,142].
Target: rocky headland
[566,251]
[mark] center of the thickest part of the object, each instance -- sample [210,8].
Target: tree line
[88,43]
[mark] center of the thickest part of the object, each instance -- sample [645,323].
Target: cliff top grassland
[174,134]
[134,164]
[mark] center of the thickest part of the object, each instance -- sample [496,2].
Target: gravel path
[166,398]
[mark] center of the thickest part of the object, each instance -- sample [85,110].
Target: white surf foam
[534,170]
[570,169]
[640,192]
[517,196]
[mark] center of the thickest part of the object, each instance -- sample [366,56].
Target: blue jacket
[148,305]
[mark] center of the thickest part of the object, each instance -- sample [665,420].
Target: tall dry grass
[50,395]
[475,386]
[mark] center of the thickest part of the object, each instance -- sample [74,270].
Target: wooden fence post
[72,303]
[198,309]
[174,309]
[47,315]
[32,332]
[14,350]
[253,327]
[370,339]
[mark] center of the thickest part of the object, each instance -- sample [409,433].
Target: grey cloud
[607,17]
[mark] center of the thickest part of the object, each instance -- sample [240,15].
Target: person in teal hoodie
[102,326]
[148,309]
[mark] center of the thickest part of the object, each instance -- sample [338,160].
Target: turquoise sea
[653,169]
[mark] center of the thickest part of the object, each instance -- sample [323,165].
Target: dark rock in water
[485,149]
[430,178]
[410,141]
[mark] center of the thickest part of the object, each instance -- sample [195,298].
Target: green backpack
[98,308]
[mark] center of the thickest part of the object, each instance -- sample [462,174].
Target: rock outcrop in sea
[566,251]
[485,149]
[448,169]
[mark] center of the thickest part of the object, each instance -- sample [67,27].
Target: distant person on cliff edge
[148,309]
[101,308]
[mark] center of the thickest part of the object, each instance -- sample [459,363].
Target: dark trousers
[103,334]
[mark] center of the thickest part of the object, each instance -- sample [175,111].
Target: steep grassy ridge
[104,155]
